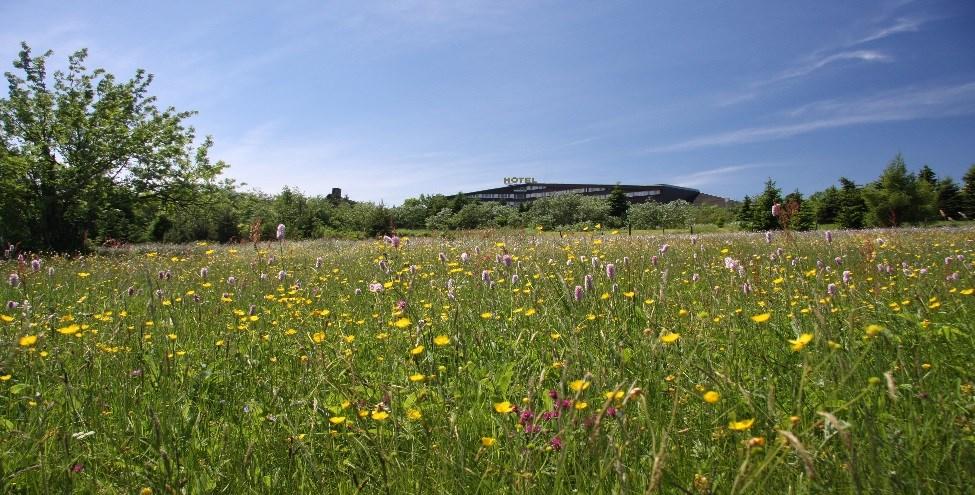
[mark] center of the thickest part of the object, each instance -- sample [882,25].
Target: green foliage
[652,215]
[898,197]
[758,214]
[798,214]
[744,217]
[950,198]
[566,210]
[827,204]
[968,192]
[83,152]
[618,203]
[852,210]
[713,214]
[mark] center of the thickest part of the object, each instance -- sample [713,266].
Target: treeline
[87,159]
[897,197]
[227,214]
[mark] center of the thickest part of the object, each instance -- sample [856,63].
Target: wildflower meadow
[495,362]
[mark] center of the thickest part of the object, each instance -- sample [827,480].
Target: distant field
[487,363]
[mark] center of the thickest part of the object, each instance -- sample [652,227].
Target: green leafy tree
[677,214]
[647,215]
[86,151]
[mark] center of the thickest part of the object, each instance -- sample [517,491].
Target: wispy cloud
[900,105]
[901,25]
[711,176]
[819,63]
[829,56]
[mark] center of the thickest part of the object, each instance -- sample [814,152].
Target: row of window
[578,190]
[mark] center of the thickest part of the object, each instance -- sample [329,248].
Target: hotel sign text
[519,180]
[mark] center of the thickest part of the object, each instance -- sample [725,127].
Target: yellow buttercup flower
[28,340]
[488,441]
[379,415]
[441,340]
[70,329]
[873,329]
[799,343]
[504,407]
[762,318]
[741,425]
[711,397]
[579,385]
[669,337]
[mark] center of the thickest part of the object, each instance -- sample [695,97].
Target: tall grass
[686,372]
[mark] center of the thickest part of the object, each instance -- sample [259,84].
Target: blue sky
[388,100]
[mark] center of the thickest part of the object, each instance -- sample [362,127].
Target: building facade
[514,194]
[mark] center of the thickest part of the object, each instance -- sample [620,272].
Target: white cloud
[900,105]
[711,176]
[819,63]
[901,25]
[823,58]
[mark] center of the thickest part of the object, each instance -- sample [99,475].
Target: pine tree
[744,216]
[799,213]
[898,196]
[968,192]
[618,203]
[762,218]
[927,175]
[852,208]
[949,198]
